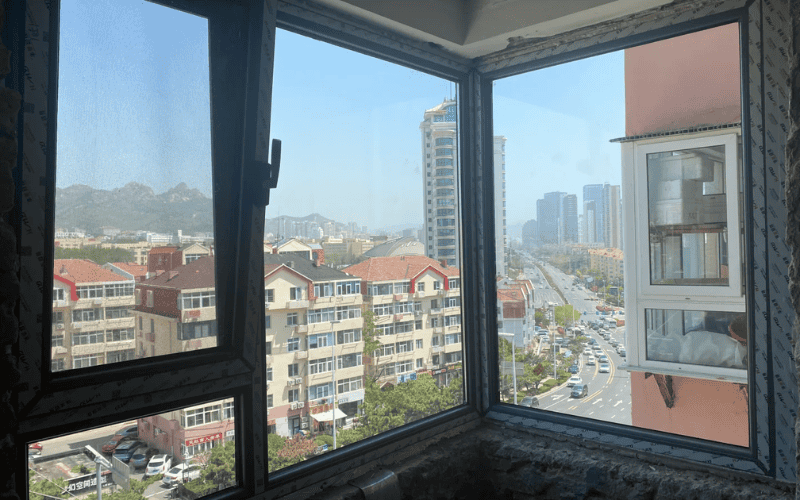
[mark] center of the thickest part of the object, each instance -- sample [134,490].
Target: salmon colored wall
[683,82]
[705,409]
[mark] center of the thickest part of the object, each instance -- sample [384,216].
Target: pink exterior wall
[703,409]
[683,82]
[675,84]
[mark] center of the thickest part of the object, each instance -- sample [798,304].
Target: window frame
[767,445]
[225,371]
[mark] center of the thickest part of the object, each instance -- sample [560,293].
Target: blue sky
[349,123]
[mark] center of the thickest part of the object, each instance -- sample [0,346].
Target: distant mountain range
[134,207]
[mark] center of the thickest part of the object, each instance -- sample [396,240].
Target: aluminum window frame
[479,329]
[771,416]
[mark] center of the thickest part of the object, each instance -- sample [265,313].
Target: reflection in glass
[133,275]
[146,457]
[688,217]
[708,338]
[362,251]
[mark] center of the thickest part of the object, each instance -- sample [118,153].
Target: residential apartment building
[139,250]
[190,431]
[440,156]
[609,261]
[500,229]
[612,216]
[176,310]
[92,321]
[515,310]
[167,258]
[593,214]
[127,270]
[313,323]
[417,305]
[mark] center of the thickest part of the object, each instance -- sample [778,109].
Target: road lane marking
[618,402]
[597,401]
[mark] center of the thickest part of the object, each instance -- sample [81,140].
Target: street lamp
[333,367]
[513,361]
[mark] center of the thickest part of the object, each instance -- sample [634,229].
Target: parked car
[159,464]
[574,369]
[181,473]
[580,391]
[530,402]
[573,380]
[111,445]
[604,368]
[126,450]
[142,457]
[132,431]
[622,353]
[35,449]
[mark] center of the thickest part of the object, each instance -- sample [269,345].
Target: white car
[181,473]
[604,368]
[591,361]
[587,352]
[159,464]
[574,380]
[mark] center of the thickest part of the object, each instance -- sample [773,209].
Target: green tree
[50,487]
[541,318]
[530,378]
[221,464]
[96,254]
[135,492]
[563,314]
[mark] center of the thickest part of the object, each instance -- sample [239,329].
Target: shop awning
[327,416]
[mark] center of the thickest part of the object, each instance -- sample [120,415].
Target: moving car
[574,369]
[602,358]
[142,457]
[530,402]
[580,391]
[573,380]
[126,450]
[591,361]
[181,473]
[604,368]
[159,464]
[587,352]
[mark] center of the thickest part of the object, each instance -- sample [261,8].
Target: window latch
[269,174]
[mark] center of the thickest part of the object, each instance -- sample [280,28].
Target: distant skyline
[349,123]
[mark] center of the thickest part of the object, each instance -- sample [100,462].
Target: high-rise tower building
[547,215]
[441,237]
[500,231]
[568,219]
[612,216]
[439,129]
[593,200]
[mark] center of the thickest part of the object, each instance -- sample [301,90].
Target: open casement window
[685,305]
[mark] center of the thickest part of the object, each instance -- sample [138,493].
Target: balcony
[398,317]
[300,355]
[419,294]
[437,348]
[300,329]
[297,304]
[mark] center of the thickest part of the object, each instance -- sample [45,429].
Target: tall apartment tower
[441,237]
[439,129]
[593,201]
[612,216]
[568,219]
[500,231]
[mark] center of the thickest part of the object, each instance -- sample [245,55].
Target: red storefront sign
[204,439]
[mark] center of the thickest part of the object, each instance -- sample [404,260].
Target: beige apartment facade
[92,320]
[313,327]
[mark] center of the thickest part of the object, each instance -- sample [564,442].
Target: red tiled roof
[506,294]
[398,268]
[196,274]
[163,250]
[131,267]
[83,271]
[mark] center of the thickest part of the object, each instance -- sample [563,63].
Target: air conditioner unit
[301,404]
[304,425]
[305,419]
[293,406]
[59,326]
[417,313]
[298,380]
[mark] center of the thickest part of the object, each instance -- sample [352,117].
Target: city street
[609,395]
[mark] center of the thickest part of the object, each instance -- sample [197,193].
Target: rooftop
[83,271]
[304,267]
[398,268]
[196,274]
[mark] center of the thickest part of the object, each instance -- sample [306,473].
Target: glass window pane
[148,456]
[133,275]
[710,338]
[688,217]
[358,350]
[579,233]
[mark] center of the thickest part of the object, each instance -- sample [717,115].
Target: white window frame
[640,293]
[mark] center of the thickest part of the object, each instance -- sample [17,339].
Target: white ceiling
[473,28]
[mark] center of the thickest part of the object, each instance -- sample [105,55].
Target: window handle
[269,172]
